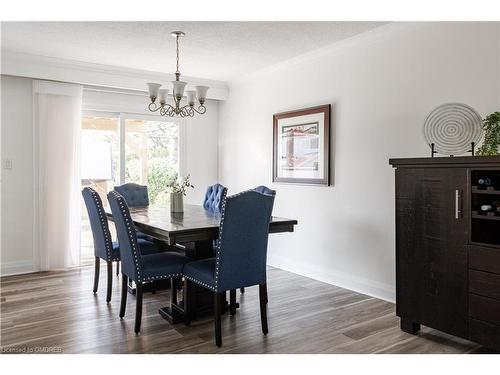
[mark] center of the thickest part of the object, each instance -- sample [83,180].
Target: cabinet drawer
[484,283]
[483,308]
[484,259]
[486,334]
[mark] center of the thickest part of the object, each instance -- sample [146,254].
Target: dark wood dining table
[192,232]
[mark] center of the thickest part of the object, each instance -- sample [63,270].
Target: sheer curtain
[57,123]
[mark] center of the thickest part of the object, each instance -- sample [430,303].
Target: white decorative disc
[452,127]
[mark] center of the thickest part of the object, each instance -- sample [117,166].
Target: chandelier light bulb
[179,87]
[191,97]
[163,96]
[153,89]
[201,93]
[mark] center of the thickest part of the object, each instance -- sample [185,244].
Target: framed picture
[301,146]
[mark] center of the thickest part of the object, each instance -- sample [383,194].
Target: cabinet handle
[458,205]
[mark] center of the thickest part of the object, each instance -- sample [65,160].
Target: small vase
[176,202]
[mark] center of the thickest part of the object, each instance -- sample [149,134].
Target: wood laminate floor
[57,311]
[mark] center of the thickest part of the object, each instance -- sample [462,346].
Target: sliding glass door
[121,148]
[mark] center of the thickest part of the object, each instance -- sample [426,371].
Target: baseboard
[372,288]
[16,268]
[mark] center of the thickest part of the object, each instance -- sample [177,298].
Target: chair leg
[263,307]
[242,290]
[117,268]
[217,315]
[138,308]
[123,302]
[232,302]
[110,281]
[96,273]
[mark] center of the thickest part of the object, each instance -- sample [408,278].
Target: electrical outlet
[7,164]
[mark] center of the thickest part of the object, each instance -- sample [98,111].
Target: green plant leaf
[491,125]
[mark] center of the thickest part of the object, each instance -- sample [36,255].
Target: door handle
[458,204]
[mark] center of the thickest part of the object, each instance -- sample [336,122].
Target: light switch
[7,164]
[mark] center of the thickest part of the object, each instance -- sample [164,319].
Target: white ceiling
[212,50]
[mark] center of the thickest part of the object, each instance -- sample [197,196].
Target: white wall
[17,183]
[200,160]
[381,86]
[201,152]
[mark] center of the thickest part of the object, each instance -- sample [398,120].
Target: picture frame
[301,146]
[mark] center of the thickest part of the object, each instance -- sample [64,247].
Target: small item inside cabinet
[485,206]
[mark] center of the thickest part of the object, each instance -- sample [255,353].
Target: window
[151,155]
[100,153]
[117,149]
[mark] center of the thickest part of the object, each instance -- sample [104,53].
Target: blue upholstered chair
[212,202]
[214,197]
[241,255]
[136,265]
[104,248]
[264,190]
[136,196]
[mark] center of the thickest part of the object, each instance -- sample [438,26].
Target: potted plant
[178,187]
[491,141]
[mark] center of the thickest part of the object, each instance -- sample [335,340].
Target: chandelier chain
[177,43]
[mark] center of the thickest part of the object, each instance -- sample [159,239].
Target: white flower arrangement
[180,184]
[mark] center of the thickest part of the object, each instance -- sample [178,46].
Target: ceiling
[211,50]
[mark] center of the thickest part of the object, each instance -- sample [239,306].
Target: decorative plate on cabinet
[452,128]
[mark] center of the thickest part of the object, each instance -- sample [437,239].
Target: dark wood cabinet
[448,246]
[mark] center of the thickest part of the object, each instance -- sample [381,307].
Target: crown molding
[55,69]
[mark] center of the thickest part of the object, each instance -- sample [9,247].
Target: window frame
[123,116]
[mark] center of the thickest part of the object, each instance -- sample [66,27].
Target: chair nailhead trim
[162,276]
[104,224]
[217,257]
[133,241]
[211,287]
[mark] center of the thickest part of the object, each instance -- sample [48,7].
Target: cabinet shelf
[485,244]
[476,190]
[475,215]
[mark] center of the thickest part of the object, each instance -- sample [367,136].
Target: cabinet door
[431,252]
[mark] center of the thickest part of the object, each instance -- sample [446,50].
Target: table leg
[196,300]
[200,249]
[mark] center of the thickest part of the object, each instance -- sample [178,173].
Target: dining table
[193,233]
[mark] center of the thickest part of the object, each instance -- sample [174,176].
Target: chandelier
[155,92]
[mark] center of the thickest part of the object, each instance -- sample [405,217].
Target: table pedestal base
[197,301]
[175,313]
